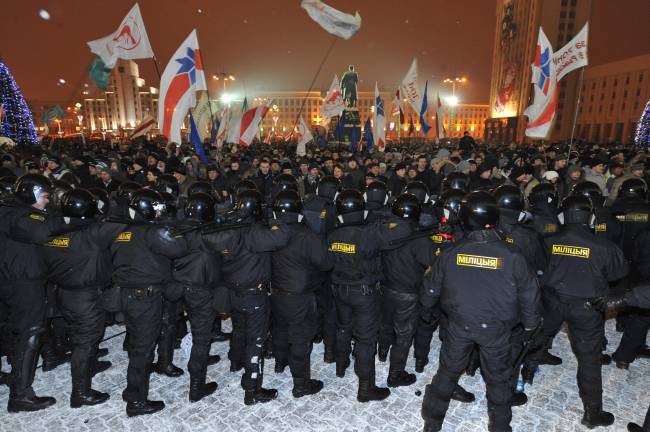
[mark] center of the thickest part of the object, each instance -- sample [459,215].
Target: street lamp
[453,100]
[224,77]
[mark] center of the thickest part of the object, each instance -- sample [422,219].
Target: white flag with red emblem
[333,104]
[250,122]
[180,81]
[129,41]
[333,21]
[305,137]
[410,88]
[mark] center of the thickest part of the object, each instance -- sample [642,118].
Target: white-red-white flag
[145,126]
[379,123]
[250,121]
[305,137]
[542,111]
[333,104]
[180,81]
[129,41]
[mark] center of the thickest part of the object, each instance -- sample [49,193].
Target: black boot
[462,395]
[4,378]
[164,366]
[420,364]
[100,366]
[341,367]
[368,391]
[261,395]
[102,352]
[54,353]
[605,359]
[305,387]
[218,335]
[82,393]
[595,416]
[199,388]
[213,359]
[633,427]
[549,359]
[236,366]
[400,378]
[519,399]
[143,407]
[329,356]
[23,367]
[528,374]
[382,353]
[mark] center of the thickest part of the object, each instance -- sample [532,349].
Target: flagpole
[575,114]
[311,86]
[155,64]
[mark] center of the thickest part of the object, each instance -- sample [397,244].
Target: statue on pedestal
[349,83]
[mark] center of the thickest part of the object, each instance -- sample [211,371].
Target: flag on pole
[440,128]
[573,55]
[423,111]
[397,107]
[195,139]
[354,140]
[202,116]
[56,112]
[305,137]
[180,81]
[410,89]
[379,130]
[331,20]
[145,126]
[542,112]
[411,125]
[129,41]
[234,129]
[99,73]
[333,104]
[367,135]
[244,105]
[250,121]
[222,130]
[338,132]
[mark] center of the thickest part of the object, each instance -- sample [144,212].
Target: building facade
[124,104]
[612,100]
[517,24]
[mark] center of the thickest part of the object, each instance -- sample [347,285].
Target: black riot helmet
[479,211]
[171,203]
[29,187]
[200,186]
[126,189]
[285,181]
[377,192]
[455,180]
[591,190]
[102,198]
[543,195]
[148,204]
[509,197]
[200,206]
[7,186]
[287,201]
[167,183]
[633,188]
[250,202]
[60,188]
[419,189]
[328,186]
[243,185]
[576,209]
[349,201]
[448,204]
[78,203]
[407,206]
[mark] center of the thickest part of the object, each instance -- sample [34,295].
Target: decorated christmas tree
[642,136]
[17,122]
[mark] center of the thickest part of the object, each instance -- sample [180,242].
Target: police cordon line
[497,269]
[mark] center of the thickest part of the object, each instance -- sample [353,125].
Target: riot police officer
[293,299]
[320,217]
[377,196]
[355,249]
[606,224]
[197,274]
[542,202]
[403,268]
[142,258]
[580,266]
[22,274]
[485,287]
[246,273]
[79,261]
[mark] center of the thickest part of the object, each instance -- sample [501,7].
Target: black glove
[608,303]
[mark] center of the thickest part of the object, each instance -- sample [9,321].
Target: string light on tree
[642,135]
[17,122]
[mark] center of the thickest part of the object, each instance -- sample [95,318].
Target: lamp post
[453,100]
[223,77]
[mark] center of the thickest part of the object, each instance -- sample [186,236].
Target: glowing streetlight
[226,98]
[224,77]
[452,100]
[61,81]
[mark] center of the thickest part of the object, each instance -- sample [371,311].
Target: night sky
[274,45]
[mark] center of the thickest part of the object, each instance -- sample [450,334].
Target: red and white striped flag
[145,126]
[250,122]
